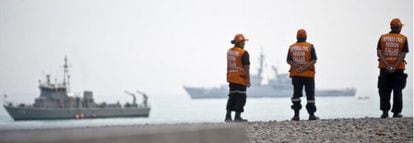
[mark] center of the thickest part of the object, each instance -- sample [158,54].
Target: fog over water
[158,46]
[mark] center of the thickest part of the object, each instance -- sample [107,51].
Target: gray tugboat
[55,103]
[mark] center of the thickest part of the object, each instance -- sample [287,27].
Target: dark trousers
[298,84]
[237,99]
[391,82]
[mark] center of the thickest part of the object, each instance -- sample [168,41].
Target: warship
[55,102]
[277,86]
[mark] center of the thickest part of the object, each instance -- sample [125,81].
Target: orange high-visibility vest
[235,71]
[301,54]
[392,45]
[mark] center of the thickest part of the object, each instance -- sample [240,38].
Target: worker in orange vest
[391,50]
[238,77]
[302,58]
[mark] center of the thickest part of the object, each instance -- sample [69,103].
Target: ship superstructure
[54,102]
[277,86]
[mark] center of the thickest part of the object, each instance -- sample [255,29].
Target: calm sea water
[181,109]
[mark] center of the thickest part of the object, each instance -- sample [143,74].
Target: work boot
[313,117]
[397,115]
[238,118]
[384,115]
[296,116]
[228,118]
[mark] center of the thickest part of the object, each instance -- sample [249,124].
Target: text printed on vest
[231,58]
[298,54]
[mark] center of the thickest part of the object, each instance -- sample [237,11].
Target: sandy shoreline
[328,130]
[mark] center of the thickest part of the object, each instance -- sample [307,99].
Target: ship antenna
[275,71]
[4,98]
[261,60]
[66,75]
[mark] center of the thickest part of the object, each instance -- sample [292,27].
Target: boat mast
[66,75]
[261,62]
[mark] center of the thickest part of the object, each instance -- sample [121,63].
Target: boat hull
[260,92]
[30,113]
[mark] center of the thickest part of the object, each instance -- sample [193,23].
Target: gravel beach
[375,130]
[361,130]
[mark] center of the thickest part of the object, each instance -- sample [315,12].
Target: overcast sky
[160,45]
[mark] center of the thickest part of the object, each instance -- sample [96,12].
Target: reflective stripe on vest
[235,70]
[392,45]
[301,54]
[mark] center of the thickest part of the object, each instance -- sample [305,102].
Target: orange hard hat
[239,38]
[396,22]
[301,33]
